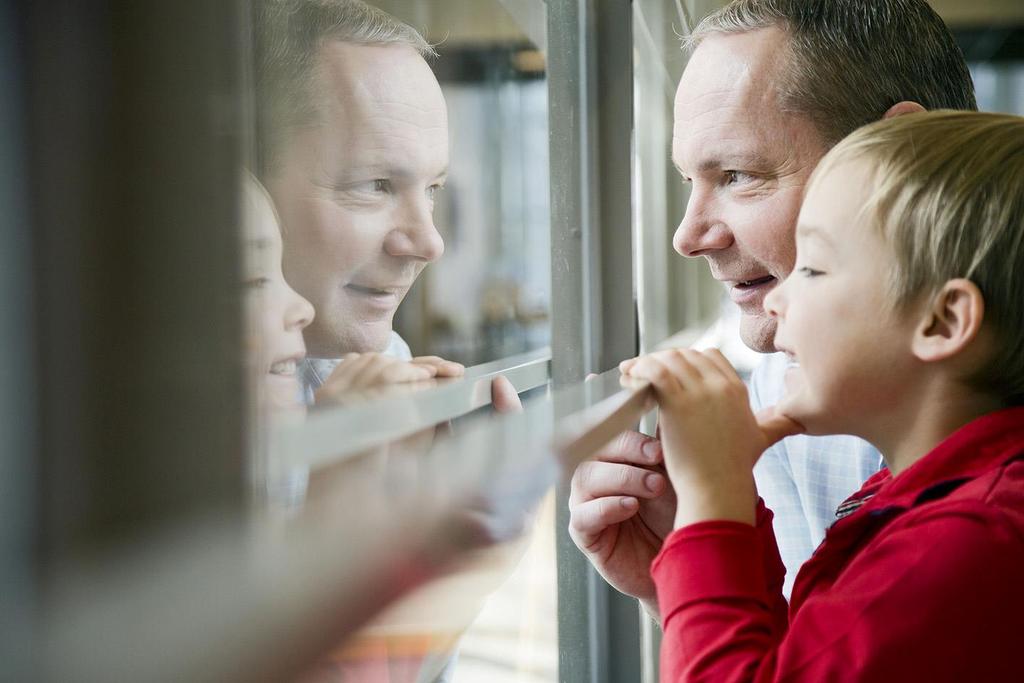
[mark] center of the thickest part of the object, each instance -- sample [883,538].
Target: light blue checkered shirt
[803,479]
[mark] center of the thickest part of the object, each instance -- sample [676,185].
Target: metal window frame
[330,435]
[17,379]
[590,80]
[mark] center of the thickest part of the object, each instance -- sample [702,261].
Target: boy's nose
[300,312]
[775,301]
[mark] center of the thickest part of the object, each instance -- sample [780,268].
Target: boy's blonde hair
[948,197]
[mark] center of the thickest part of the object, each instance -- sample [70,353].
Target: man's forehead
[378,75]
[726,105]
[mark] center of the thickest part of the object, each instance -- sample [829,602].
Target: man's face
[356,193]
[748,162]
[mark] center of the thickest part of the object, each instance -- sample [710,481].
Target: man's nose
[415,236]
[701,231]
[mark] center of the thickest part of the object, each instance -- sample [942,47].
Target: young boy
[904,323]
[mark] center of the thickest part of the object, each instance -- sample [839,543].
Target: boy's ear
[951,321]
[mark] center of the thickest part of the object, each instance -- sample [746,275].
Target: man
[355,146]
[771,85]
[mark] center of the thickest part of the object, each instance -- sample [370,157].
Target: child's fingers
[372,366]
[442,367]
[653,369]
[627,365]
[701,366]
[718,359]
[400,371]
[775,426]
[679,362]
[345,376]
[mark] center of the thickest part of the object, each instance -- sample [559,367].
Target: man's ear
[901,108]
[951,321]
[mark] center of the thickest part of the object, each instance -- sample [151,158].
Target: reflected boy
[277,313]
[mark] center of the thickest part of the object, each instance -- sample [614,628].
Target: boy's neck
[919,426]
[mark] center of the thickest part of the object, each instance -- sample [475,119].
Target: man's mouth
[757,282]
[749,294]
[370,290]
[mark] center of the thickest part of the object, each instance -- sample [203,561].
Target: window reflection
[408,173]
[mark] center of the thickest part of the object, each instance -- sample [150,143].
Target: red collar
[979,446]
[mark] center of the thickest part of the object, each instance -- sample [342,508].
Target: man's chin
[372,337]
[758,332]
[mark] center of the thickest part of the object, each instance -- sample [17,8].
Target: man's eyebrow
[729,161]
[385,170]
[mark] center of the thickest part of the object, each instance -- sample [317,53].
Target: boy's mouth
[285,367]
[791,360]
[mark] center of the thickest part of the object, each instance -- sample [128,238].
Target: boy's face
[279,314]
[850,352]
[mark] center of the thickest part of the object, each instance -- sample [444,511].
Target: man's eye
[809,272]
[737,177]
[375,186]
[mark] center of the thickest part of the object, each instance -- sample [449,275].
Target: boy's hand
[360,372]
[709,434]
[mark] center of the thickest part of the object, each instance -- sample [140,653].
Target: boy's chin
[798,410]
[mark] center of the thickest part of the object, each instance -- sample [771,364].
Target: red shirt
[924,582]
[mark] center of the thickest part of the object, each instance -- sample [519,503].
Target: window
[187,499]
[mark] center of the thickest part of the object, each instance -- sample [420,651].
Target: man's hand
[504,397]
[621,509]
[711,437]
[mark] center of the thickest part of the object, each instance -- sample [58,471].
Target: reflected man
[355,146]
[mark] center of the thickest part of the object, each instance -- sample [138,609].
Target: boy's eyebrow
[813,231]
[259,243]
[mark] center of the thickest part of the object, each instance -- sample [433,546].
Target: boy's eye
[809,272]
[256,283]
[433,190]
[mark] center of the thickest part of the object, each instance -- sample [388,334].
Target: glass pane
[397,206]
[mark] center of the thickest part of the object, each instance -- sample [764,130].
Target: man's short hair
[288,38]
[849,61]
[948,197]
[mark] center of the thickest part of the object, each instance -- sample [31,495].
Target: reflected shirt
[290,490]
[313,372]
[803,479]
